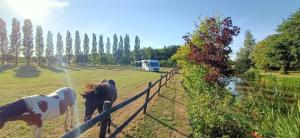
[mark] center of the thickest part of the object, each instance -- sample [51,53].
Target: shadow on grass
[6,67]
[27,72]
[53,69]
[171,99]
[167,126]
[70,67]
[124,133]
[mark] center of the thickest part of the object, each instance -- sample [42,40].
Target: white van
[151,65]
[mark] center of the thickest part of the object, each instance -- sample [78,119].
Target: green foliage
[282,52]
[244,56]
[137,48]
[69,50]
[86,48]
[252,74]
[120,51]
[212,111]
[290,28]
[15,39]
[282,47]
[49,49]
[77,46]
[94,50]
[167,63]
[27,40]
[286,83]
[59,49]
[108,46]
[39,44]
[181,56]
[101,49]
[126,53]
[262,55]
[3,40]
[115,48]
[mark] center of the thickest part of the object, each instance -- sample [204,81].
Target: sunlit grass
[13,87]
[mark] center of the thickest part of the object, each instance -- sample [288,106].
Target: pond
[232,85]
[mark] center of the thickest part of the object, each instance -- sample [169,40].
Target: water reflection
[232,85]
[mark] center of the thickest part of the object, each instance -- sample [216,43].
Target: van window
[154,64]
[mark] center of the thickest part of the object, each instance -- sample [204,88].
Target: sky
[158,23]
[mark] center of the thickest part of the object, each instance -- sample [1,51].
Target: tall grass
[288,83]
[278,124]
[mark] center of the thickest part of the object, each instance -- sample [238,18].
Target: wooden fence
[108,110]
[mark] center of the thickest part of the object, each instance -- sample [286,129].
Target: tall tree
[15,39]
[39,44]
[115,47]
[137,48]
[86,47]
[27,40]
[262,54]
[69,48]
[59,49]
[282,51]
[109,56]
[290,30]
[149,52]
[101,49]
[244,56]
[94,49]
[108,45]
[127,49]
[49,49]
[77,46]
[3,39]
[120,55]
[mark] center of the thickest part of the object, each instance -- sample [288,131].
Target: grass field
[166,117]
[16,82]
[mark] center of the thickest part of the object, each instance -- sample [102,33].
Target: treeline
[81,51]
[279,51]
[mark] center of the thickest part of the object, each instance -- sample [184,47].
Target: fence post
[147,97]
[167,78]
[161,77]
[103,128]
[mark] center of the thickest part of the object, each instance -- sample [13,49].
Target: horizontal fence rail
[108,110]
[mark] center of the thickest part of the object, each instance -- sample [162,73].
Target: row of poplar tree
[44,53]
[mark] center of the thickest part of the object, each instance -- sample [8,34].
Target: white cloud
[58,3]
[35,9]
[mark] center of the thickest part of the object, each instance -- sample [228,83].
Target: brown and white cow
[37,108]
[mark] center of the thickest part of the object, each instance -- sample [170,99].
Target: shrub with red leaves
[214,51]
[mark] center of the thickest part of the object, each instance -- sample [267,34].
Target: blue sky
[156,22]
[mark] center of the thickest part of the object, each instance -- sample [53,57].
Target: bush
[252,74]
[167,63]
[211,109]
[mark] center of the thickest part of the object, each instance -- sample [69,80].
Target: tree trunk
[284,69]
